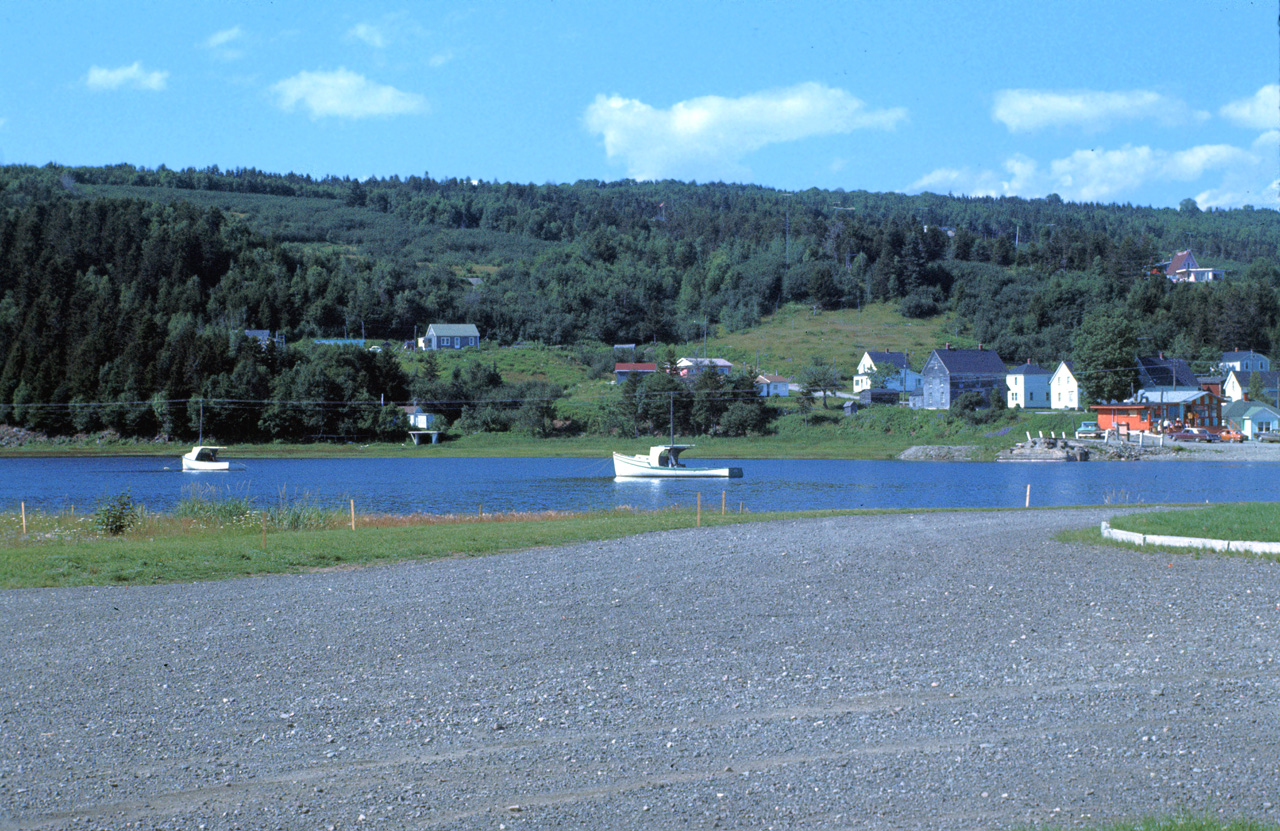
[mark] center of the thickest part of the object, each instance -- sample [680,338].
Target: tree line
[123,284]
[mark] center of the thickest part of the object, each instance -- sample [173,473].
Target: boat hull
[639,467]
[205,457]
[190,466]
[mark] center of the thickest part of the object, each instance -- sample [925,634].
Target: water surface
[454,485]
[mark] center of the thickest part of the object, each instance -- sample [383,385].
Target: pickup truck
[1088,430]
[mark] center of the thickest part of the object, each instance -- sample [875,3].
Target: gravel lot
[1215,452]
[909,671]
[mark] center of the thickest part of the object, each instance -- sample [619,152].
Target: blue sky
[1132,101]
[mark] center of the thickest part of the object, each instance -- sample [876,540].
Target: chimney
[979,347]
[1028,362]
[948,346]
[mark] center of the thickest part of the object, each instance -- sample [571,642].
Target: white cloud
[440,59]
[226,43]
[1023,110]
[126,76]
[224,37]
[345,94]
[1020,175]
[1097,175]
[708,137]
[1261,111]
[1111,175]
[370,34]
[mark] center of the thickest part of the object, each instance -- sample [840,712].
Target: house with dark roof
[1028,386]
[903,378]
[950,373]
[1155,373]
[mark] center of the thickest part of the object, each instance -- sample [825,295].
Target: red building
[1153,412]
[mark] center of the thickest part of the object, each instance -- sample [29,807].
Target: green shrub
[117,514]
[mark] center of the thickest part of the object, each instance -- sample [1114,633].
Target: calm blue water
[462,485]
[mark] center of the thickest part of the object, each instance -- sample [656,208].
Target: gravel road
[941,671]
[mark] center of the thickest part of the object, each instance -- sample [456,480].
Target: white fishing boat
[205,457]
[663,462]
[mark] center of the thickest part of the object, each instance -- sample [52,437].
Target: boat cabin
[667,455]
[204,454]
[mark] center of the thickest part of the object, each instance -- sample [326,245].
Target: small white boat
[663,461]
[205,457]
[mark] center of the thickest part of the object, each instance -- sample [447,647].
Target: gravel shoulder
[956,670]
[1250,451]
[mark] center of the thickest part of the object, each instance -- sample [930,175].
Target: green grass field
[793,336]
[68,550]
[1255,521]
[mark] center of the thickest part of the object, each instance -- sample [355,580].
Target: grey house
[950,373]
[449,336]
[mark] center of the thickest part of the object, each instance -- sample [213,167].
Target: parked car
[1088,430]
[1269,435]
[1195,434]
[1229,434]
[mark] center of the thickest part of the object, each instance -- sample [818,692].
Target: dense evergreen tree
[125,292]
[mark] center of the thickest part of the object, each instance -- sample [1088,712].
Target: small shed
[878,395]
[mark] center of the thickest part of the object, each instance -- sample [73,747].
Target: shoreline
[19,443]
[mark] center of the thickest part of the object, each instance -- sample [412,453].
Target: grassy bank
[1259,522]
[1189,823]
[233,539]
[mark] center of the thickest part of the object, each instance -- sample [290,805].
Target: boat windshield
[207,454]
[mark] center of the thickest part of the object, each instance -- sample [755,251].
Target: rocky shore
[959,670]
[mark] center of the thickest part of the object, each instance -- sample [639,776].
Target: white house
[1183,268]
[773,385]
[1064,389]
[1236,385]
[691,367]
[904,378]
[1028,386]
[449,336]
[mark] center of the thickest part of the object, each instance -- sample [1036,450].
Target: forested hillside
[122,284]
